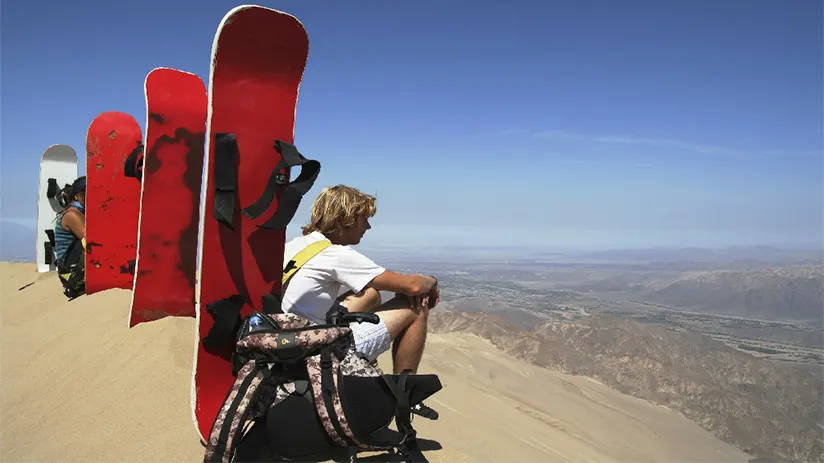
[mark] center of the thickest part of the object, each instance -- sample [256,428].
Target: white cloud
[606,139]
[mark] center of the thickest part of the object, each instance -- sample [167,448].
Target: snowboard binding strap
[225,178]
[133,166]
[52,190]
[295,190]
[50,247]
[227,322]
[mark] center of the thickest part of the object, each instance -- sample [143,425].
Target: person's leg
[406,328]
[365,301]
[400,326]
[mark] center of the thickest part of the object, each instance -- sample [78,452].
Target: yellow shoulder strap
[303,257]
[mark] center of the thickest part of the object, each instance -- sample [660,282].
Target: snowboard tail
[171,177]
[112,201]
[258,59]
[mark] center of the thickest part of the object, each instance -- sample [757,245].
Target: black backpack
[306,390]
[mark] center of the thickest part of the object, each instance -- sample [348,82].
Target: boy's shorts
[371,339]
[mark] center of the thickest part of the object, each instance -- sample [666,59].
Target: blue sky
[553,124]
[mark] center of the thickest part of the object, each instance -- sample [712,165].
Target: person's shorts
[371,339]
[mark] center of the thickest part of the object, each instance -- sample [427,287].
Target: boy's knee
[367,300]
[370,297]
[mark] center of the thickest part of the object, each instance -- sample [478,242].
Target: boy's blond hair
[337,208]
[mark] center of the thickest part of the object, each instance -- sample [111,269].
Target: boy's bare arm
[406,284]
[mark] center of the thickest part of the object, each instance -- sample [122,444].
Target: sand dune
[78,385]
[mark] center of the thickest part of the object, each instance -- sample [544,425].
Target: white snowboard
[59,162]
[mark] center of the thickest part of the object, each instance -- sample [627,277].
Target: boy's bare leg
[406,326]
[367,300]
[407,346]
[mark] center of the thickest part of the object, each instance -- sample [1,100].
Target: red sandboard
[258,59]
[164,282]
[112,201]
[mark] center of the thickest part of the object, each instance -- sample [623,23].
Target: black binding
[227,321]
[63,197]
[225,178]
[49,246]
[133,167]
[52,189]
[295,190]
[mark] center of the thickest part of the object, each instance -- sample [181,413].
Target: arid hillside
[768,409]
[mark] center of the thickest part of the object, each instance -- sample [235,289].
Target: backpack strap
[240,401]
[271,303]
[301,258]
[324,375]
[408,445]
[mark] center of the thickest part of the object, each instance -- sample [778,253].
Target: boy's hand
[418,303]
[434,295]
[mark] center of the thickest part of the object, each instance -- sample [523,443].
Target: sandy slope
[77,385]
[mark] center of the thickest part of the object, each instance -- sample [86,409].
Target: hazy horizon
[17,245]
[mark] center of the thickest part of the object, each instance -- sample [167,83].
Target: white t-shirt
[327,276]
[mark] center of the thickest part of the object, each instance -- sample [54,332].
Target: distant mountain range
[797,254]
[788,293]
[770,410]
